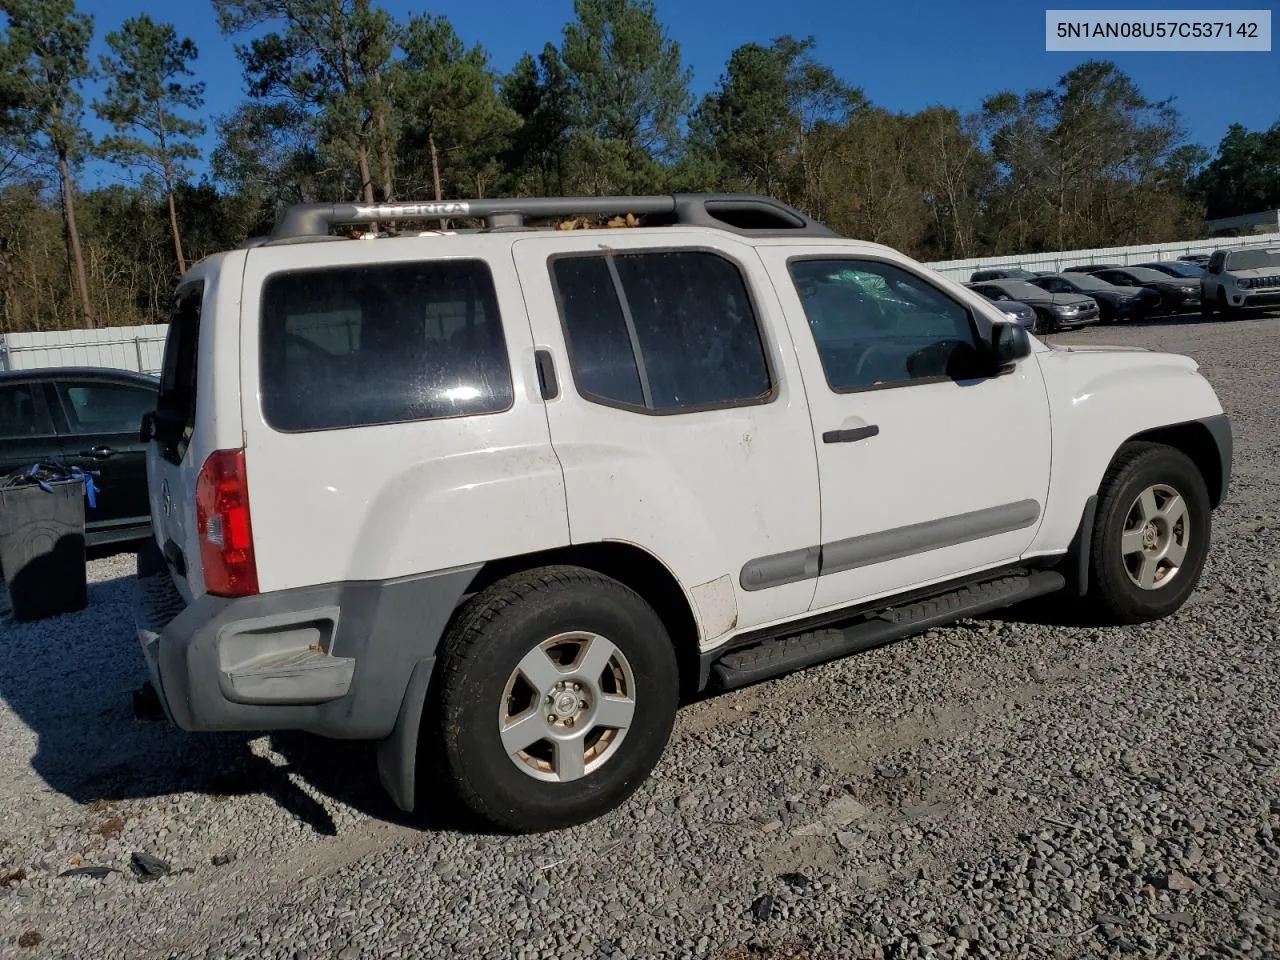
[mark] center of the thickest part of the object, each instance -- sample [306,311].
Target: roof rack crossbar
[741,213]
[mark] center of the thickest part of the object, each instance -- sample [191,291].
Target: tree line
[346,102]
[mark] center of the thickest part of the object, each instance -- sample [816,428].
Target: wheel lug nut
[582,704]
[551,718]
[568,722]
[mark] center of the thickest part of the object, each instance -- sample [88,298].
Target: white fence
[960,270]
[140,349]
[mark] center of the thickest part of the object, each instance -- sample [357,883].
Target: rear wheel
[558,690]
[1040,324]
[1151,534]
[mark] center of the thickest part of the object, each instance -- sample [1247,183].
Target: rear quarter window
[383,343]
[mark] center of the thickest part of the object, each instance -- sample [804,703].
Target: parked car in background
[1054,311]
[1089,267]
[1114,303]
[1177,294]
[1001,273]
[1236,280]
[1199,259]
[89,418]
[1015,310]
[1175,268]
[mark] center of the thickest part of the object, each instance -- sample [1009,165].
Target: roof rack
[735,212]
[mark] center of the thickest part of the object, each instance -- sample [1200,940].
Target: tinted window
[21,413]
[105,407]
[385,343]
[176,403]
[875,324]
[661,331]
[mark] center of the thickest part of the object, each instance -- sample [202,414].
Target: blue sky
[905,56]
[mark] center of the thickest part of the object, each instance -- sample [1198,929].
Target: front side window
[93,408]
[384,343]
[661,331]
[875,325]
[22,415]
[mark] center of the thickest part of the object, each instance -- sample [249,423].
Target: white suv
[498,498]
[1235,280]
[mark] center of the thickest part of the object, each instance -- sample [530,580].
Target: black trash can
[42,550]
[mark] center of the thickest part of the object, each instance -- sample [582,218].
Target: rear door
[679,414]
[26,428]
[99,420]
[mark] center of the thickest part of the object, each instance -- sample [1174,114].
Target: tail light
[222,519]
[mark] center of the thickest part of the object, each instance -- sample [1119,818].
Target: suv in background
[1236,280]
[88,418]
[497,498]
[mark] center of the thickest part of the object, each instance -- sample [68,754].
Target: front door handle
[98,453]
[852,435]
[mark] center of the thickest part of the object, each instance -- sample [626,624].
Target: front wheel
[557,693]
[1150,535]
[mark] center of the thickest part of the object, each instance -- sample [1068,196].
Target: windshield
[1088,282]
[1184,269]
[1148,276]
[1253,259]
[1021,290]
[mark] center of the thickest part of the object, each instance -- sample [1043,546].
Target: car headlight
[1244,283]
[1190,290]
[1069,308]
[1011,316]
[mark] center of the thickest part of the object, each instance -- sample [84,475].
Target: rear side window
[21,412]
[176,402]
[663,332]
[385,343]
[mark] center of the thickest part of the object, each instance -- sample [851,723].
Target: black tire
[1227,311]
[460,739]
[1040,325]
[1207,307]
[1137,467]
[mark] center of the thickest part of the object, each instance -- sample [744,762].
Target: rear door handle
[852,435]
[99,452]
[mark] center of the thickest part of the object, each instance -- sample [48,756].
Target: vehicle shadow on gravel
[70,681]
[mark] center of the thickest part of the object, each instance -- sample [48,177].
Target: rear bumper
[334,660]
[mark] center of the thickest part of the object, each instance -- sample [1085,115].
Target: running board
[772,658]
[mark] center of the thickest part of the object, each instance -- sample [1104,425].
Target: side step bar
[743,666]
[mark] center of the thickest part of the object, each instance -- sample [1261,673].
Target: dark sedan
[1177,294]
[1175,268]
[1015,310]
[87,418]
[1054,311]
[1090,267]
[1001,273]
[1114,303]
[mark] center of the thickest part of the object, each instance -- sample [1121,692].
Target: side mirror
[147,430]
[1010,342]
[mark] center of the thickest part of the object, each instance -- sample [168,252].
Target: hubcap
[1157,532]
[567,707]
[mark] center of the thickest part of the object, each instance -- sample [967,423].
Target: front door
[929,470]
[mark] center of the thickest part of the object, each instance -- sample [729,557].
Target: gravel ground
[1003,787]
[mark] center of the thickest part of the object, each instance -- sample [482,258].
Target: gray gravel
[1000,788]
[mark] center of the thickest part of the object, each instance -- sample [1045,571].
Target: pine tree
[146,95]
